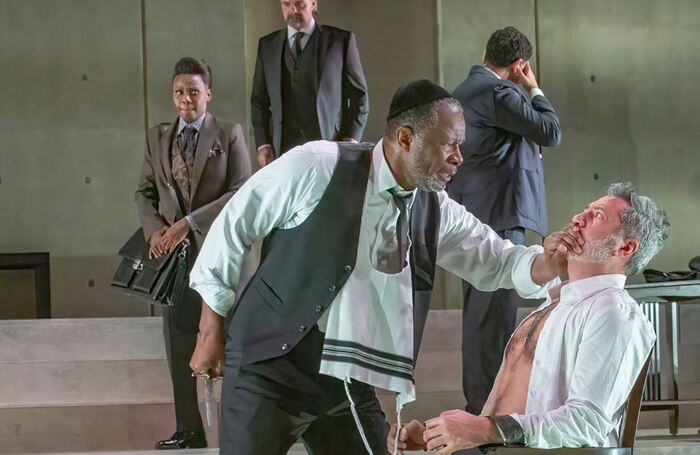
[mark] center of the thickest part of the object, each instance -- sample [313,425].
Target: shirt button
[532,393]
[331,288]
[318,309]
[285,346]
[537,362]
[302,328]
[347,268]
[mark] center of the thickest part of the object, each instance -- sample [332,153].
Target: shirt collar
[492,72]
[197,124]
[382,177]
[581,289]
[291,31]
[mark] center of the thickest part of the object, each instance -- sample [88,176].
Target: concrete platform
[89,385]
[83,385]
[650,442]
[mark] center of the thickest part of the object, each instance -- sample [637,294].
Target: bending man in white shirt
[570,366]
[351,235]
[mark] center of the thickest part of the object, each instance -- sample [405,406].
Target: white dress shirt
[284,193]
[588,356]
[291,35]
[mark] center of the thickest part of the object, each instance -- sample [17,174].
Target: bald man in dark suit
[308,84]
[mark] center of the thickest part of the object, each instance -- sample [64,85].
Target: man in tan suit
[197,162]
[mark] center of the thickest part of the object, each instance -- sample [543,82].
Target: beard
[596,251]
[295,20]
[416,163]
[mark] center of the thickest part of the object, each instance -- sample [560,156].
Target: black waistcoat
[302,269]
[299,85]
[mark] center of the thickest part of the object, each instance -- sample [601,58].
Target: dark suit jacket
[341,95]
[501,181]
[221,166]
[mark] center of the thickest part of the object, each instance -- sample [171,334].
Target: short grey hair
[642,220]
[421,118]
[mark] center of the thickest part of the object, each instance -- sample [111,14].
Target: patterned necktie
[186,144]
[297,44]
[401,202]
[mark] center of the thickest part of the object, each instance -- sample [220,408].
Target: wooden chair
[653,394]
[628,429]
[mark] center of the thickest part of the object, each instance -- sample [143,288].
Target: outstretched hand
[554,261]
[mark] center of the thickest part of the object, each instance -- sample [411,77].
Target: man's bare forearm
[208,355]
[210,322]
[545,270]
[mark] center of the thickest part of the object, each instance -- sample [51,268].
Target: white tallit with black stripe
[369,327]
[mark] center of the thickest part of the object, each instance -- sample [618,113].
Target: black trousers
[488,320]
[179,346]
[267,406]
[180,326]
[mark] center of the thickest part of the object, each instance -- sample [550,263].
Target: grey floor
[649,442]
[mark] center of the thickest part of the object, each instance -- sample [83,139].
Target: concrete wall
[93,75]
[83,79]
[397,40]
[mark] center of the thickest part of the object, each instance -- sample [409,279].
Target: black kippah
[415,94]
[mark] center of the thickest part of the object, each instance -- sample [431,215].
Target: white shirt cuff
[264,145]
[220,300]
[535,92]
[192,223]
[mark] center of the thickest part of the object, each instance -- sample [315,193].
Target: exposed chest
[523,343]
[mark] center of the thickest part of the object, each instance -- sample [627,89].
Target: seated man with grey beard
[569,366]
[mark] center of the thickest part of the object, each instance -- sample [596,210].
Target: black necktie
[401,202]
[297,44]
[187,144]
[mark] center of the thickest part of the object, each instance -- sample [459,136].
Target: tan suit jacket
[221,166]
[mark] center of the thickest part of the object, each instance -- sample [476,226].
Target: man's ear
[209,95]
[404,137]
[628,247]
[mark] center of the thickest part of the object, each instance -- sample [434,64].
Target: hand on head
[524,75]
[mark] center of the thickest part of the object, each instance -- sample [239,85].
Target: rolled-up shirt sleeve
[474,252]
[274,197]
[615,343]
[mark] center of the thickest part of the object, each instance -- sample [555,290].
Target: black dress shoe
[183,440]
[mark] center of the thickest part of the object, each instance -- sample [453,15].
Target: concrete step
[83,362]
[103,384]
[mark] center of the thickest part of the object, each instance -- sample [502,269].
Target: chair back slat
[634,403]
